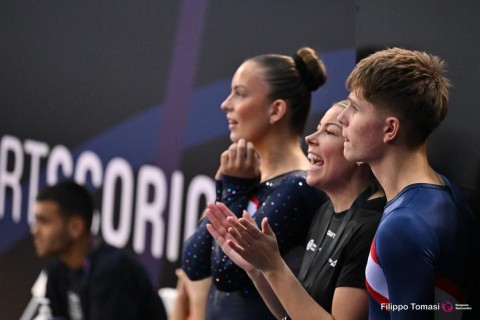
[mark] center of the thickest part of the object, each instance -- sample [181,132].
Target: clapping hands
[241,239]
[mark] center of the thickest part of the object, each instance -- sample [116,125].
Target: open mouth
[315,160]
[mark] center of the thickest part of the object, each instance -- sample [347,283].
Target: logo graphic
[332,263]
[311,245]
[331,234]
[447,306]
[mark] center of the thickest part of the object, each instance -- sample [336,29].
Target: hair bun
[311,68]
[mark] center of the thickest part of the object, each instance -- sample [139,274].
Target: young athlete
[263,172]
[420,259]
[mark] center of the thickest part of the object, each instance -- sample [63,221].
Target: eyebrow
[333,124]
[352,100]
[41,217]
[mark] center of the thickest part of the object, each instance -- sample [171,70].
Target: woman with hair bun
[263,172]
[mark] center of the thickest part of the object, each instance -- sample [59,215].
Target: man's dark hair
[73,199]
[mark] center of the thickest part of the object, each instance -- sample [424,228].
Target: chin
[310,181]
[314,181]
[349,156]
[41,254]
[234,137]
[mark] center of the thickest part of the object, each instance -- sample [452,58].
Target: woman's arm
[348,303]
[218,229]
[237,174]
[196,253]
[290,218]
[190,302]
[259,249]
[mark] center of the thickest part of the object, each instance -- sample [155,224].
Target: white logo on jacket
[311,246]
[332,263]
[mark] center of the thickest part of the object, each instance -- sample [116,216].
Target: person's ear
[278,108]
[76,226]
[391,129]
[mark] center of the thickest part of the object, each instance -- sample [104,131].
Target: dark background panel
[77,67]
[237,30]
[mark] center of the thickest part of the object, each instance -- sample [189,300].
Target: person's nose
[226,104]
[311,139]
[34,229]
[342,118]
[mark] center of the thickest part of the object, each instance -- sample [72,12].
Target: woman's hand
[239,160]
[218,229]
[242,241]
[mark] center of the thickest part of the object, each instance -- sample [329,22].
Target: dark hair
[73,199]
[293,79]
[409,83]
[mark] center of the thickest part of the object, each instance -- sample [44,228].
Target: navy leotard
[420,257]
[288,203]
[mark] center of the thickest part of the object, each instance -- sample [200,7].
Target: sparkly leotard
[288,203]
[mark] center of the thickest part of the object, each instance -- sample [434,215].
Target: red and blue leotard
[419,262]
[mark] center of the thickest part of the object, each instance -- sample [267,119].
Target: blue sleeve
[196,253]
[289,209]
[236,193]
[197,249]
[406,248]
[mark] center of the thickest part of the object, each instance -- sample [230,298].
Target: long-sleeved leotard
[419,259]
[288,203]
